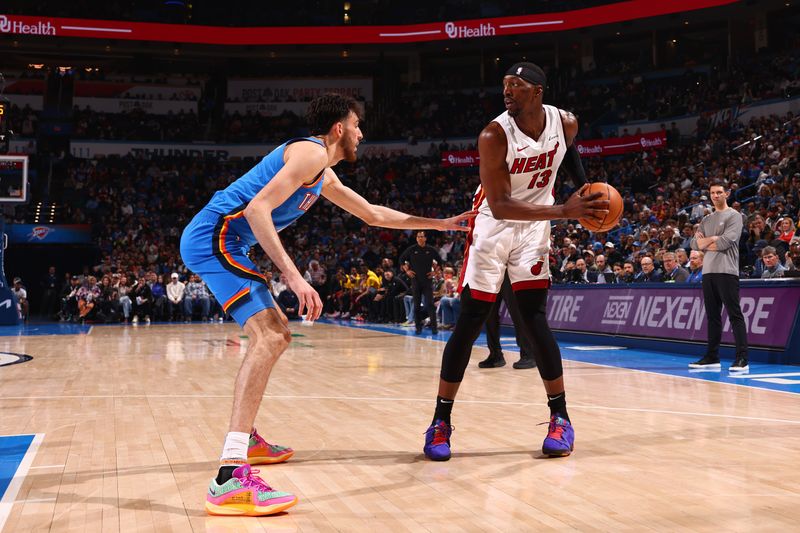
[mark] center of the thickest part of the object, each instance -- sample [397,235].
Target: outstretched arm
[377,215]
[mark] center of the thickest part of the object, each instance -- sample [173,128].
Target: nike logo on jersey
[521,149]
[553,137]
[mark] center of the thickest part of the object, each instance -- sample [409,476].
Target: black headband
[528,72]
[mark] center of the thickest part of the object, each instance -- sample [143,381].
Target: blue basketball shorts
[212,249]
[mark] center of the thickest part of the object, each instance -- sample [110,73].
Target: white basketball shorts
[522,248]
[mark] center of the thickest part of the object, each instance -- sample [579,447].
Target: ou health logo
[5,24]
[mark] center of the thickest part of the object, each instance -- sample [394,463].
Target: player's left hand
[455,223]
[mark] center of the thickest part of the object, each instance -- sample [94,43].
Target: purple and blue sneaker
[437,441]
[560,439]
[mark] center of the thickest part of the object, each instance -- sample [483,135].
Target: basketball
[615,206]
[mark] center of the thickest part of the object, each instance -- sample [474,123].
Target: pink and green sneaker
[246,494]
[261,452]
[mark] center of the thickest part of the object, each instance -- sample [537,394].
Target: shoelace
[250,481]
[439,436]
[554,431]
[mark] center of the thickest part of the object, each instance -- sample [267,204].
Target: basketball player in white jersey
[520,154]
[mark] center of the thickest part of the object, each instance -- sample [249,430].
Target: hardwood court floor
[134,418]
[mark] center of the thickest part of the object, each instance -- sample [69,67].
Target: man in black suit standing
[420,258]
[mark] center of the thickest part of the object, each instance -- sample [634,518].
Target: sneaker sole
[259,460]
[740,369]
[711,366]
[249,509]
[437,458]
[559,453]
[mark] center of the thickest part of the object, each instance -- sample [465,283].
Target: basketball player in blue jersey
[253,209]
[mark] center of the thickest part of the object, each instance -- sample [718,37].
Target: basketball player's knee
[268,335]
[286,336]
[277,339]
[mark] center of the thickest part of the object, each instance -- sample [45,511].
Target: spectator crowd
[138,207]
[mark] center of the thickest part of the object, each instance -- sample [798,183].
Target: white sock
[235,448]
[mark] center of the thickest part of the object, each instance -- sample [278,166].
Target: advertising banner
[136,90]
[297,90]
[461,158]
[670,312]
[34,101]
[49,234]
[266,109]
[622,145]
[587,148]
[219,152]
[122,105]
[410,33]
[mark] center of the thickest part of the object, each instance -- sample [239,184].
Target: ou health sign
[672,312]
[409,33]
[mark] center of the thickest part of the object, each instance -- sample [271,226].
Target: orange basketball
[615,207]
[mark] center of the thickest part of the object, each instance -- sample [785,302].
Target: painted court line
[594,348]
[19,476]
[759,376]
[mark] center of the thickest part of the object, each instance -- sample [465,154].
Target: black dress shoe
[492,361]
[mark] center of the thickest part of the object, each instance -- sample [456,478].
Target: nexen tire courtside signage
[671,312]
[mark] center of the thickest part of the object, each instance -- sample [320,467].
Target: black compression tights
[532,305]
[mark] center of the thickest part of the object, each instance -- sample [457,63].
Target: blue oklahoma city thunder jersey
[231,201]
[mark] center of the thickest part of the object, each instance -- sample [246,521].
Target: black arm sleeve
[572,164]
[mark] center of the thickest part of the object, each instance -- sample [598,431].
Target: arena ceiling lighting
[433,31]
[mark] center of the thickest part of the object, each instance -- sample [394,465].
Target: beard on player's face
[349,149]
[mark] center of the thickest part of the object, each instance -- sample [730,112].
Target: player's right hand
[589,206]
[309,298]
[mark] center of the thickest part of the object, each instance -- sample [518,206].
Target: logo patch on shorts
[536,269]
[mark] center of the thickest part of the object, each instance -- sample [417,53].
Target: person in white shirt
[22,299]
[278,286]
[175,290]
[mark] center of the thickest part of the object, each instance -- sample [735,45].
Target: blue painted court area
[12,451]
[782,378]
[58,328]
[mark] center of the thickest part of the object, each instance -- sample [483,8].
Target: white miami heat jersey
[532,163]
